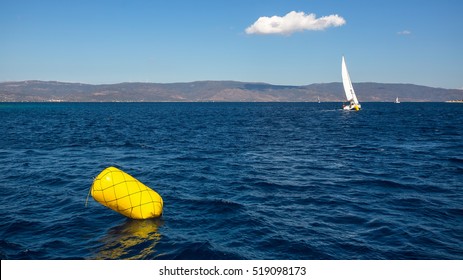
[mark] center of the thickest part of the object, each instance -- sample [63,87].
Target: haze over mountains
[217,91]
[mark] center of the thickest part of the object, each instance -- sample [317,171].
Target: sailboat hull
[352,107]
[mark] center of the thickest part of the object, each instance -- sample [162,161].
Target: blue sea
[239,180]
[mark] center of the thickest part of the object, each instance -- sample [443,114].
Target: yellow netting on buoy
[126,195]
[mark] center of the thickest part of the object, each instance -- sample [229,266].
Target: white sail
[346,82]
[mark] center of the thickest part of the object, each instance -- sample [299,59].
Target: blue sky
[406,41]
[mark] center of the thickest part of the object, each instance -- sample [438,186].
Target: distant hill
[218,91]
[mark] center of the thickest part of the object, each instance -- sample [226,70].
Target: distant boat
[318,99]
[397,100]
[353,103]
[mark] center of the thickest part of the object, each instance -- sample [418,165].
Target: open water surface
[239,180]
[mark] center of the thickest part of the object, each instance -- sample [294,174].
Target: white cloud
[404,32]
[293,22]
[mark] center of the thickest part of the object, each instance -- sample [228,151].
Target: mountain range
[217,91]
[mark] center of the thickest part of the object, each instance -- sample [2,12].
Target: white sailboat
[397,100]
[353,103]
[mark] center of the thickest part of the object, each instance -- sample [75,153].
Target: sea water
[239,180]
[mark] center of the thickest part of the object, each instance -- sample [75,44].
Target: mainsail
[346,82]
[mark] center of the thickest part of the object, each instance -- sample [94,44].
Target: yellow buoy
[126,195]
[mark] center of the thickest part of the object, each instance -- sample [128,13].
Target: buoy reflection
[135,239]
